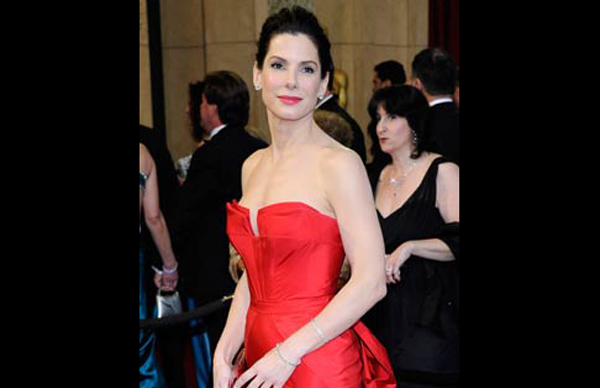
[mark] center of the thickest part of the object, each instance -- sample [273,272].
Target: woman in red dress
[306,204]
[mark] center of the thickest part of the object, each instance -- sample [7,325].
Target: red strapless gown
[293,267]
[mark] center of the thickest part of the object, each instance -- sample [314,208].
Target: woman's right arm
[156,222]
[232,337]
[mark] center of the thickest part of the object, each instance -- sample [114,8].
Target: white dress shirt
[216,130]
[440,101]
[323,101]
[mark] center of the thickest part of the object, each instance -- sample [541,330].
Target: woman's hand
[395,260]
[222,374]
[166,281]
[269,372]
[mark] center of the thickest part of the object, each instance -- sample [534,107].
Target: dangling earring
[414,154]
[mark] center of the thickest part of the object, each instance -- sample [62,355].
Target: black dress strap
[429,179]
[436,163]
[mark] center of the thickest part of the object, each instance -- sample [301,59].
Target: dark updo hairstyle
[195,99]
[408,102]
[296,20]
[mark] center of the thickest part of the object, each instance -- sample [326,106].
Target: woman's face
[291,77]
[393,131]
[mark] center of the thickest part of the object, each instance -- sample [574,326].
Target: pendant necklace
[396,183]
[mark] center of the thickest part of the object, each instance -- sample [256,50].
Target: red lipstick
[290,100]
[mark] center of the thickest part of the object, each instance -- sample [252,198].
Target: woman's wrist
[168,269]
[319,331]
[221,359]
[223,356]
[285,359]
[410,247]
[291,351]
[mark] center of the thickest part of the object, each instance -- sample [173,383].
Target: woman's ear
[256,76]
[323,85]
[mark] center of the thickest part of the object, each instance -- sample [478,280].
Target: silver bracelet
[172,270]
[165,270]
[283,358]
[319,332]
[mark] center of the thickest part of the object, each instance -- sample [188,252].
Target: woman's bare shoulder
[448,170]
[143,151]
[252,160]
[341,170]
[250,165]
[337,158]
[145,159]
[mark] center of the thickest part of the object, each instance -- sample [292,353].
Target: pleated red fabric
[292,266]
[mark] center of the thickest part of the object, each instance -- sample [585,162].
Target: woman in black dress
[417,199]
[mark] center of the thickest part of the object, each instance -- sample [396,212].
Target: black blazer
[358,141]
[443,121]
[198,219]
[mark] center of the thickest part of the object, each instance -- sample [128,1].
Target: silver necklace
[396,183]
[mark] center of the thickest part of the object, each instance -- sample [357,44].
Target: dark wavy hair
[408,102]
[229,92]
[195,99]
[296,20]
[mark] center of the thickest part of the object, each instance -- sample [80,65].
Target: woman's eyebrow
[310,61]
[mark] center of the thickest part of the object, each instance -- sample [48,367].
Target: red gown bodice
[293,265]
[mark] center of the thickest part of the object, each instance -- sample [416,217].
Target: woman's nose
[291,81]
[380,128]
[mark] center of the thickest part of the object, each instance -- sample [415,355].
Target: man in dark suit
[198,219]
[329,103]
[434,73]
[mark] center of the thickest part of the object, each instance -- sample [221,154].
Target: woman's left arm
[447,202]
[349,194]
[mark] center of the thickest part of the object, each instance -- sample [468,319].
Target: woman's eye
[392,117]
[308,70]
[277,65]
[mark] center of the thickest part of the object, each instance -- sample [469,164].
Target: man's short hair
[229,92]
[436,70]
[391,70]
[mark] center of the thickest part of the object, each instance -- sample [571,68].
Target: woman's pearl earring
[257,87]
